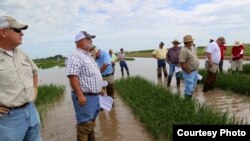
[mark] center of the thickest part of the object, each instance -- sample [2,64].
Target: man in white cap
[86,83]
[189,63]
[19,119]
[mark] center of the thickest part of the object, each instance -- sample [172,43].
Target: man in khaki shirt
[189,63]
[19,119]
[160,54]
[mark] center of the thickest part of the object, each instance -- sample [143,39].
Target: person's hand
[3,110]
[82,100]
[103,91]
[35,93]
[210,63]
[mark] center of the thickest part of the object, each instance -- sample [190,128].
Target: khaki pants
[110,87]
[237,65]
[85,131]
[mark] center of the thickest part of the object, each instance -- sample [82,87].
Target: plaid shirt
[82,65]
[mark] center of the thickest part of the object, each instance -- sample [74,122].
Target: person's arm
[103,67]
[209,57]
[185,67]
[35,83]
[75,84]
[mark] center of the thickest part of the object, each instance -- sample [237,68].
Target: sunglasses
[16,30]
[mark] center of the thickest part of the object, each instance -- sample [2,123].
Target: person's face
[189,44]
[86,43]
[14,36]
[175,44]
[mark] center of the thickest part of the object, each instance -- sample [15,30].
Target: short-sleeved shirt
[16,78]
[82,65]
[214,49]
[173,55]
[113,58]
[104,58]
[188,56]
[160,53]
[122,56]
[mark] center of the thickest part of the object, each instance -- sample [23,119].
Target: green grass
[47,96]
[48,63]
[159,109]
[238,82]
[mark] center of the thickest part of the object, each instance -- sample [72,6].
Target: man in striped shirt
[86,83]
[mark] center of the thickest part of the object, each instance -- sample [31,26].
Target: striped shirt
[82,65]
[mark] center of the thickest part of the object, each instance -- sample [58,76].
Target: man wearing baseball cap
[19,119]
[86,83]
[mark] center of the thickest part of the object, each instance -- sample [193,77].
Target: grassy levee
[238,82]
[48,63]
[159,109]
[47,96]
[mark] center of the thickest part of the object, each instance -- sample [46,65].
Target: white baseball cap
[9,22]
[82,34]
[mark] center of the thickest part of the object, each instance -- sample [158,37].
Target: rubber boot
[165,72]
[122,73]
[169,81]
[178,81]
[159,72]
[188,97]
[128,73]
[84,129]
[91,136]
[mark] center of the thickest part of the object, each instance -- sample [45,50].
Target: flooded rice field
[120,124]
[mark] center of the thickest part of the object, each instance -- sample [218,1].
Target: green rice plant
[159,109]
[47,96]
[237,82]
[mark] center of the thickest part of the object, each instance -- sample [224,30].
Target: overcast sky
[129,24]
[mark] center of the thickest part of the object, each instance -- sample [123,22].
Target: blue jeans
[20,124]
[172,71]
[123,64]
[87,112]
[161,63]
[190,81]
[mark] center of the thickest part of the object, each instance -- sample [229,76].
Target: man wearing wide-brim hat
[213,57]
[173,61]
[237,57]
[189,63]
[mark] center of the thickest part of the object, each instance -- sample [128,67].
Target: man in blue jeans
[86,83]
[123,64]
[189,63]
[19,119]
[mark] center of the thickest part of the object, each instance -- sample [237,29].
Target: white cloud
[131,24]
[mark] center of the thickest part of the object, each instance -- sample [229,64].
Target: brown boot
[178,81]
[165,72]
[91,136]
[159,72]
[169,81]
[84,129]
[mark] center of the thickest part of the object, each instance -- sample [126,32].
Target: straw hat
[188,38]
[175,41]
[237,43]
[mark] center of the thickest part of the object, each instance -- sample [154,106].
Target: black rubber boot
[169,81]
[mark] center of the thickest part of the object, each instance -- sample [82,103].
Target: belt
[213,63]
[18,107]
[91,94]
[106,75]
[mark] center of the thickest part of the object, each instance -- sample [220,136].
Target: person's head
[110,51]
[221,41]
[237,43]
[121,50]
[95,52]
[10,32]
[175,43]
[161,44]
[83,40]
[188,41]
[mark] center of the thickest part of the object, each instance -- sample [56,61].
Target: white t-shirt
[214,49]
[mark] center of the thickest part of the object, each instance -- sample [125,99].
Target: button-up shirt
[16,78]
[82,65]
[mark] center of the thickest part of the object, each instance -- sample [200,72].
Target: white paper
[177,69]
[106,102]
[199,76]
[241,52]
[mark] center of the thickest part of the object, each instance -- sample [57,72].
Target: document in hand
[177,69]
[106,102]
[199,76]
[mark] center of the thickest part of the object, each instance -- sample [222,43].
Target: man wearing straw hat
[19,119]
[237,57]
[173,61]
[189,63]
[213,57]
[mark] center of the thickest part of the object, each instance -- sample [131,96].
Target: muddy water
[120,124]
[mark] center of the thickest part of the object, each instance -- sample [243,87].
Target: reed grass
[237,82]
[159,109]
[47,96]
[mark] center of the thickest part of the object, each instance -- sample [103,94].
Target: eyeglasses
[16,30]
